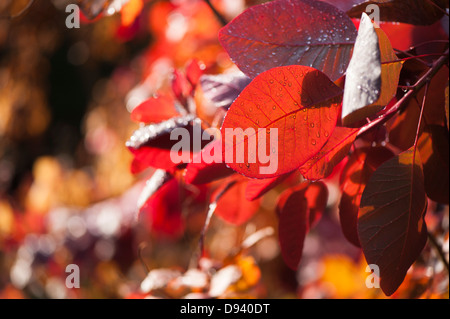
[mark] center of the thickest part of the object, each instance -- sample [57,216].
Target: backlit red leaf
[407,11]
[288,32]
[316,196]
[223,89]
[232,205]
[162,211]
[258,187]
[391,225]
[155,110]
[332,153]
[298,103]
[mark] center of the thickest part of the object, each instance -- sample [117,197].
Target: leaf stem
[424,79]
[420,117]
[218,15]
[439,250]
[413,57]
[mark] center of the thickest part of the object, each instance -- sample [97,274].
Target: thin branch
[413,57]
[411,92]
[439,250]
[437,7]
[218,15]
[140,248]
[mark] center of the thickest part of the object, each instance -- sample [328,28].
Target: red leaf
[258,187]
[152,146]
[148,156]
[194,71]
[155,110]
[180,86]
[287,32]
[354,177]
[299,102]
[331,154]
[299,208]
[162,211]
[200,172]
[317,196]
[403,36]
[391,224]
[232,205]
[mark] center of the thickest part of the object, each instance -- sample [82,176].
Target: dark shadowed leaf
[299,208]
[433,146]
[298,103]
[288,32]
[446,104]
[407,11]
[154,110]
[293,224]
[391,225]
[151,144]
[354,177]
[223,89]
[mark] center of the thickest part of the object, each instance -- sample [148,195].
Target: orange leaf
[332,153]
[298,103]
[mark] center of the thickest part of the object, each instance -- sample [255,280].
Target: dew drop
[313,142]
[274,107]
[312,124]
